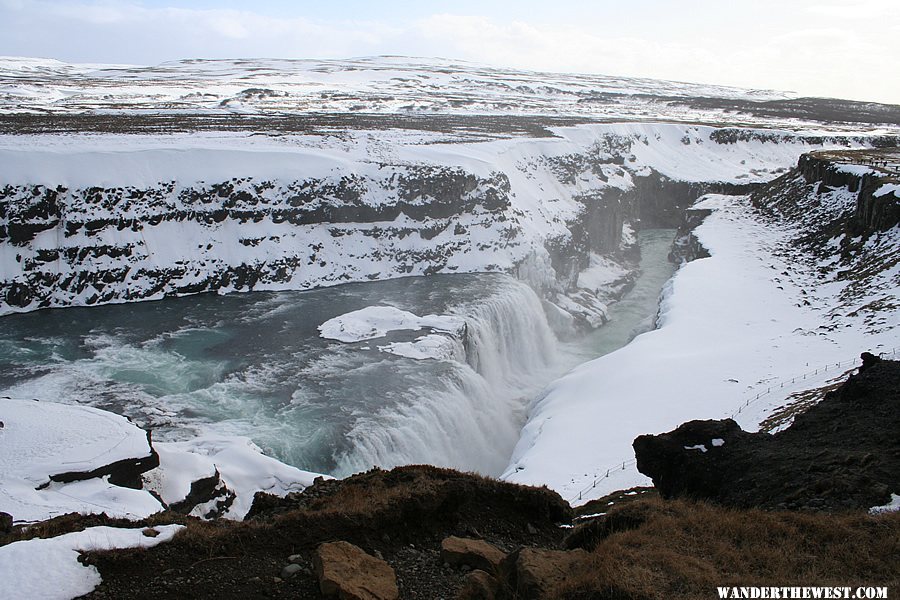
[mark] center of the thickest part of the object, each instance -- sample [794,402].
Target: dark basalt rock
[6,523]
[124,473]
[843,453]
[203,491]
[688,460]
[433,199]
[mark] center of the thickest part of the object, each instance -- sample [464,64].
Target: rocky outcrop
[688,460]
[208,491]
[844,206]
[6,523]
[478,585]
[822,168]
[660,201]
[347,572]
[535,573]
[474,554]
[124,473]
[876,209]
[843,453]
[107,242]
[862,172]
[686,247]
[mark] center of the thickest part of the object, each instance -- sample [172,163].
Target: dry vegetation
[644,547]
[685,550]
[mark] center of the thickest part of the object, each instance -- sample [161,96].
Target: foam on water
[254,365]
[470,416]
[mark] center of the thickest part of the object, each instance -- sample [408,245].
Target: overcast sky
[836,48]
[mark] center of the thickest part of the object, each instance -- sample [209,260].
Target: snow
[42,439]
[49,568]
[717,442]
[601,273]
[887,188]
[59,438]
[386,85]
[858,170]
[699,447]
[892,506]
[377,321]
[432,346]
[738,315]
[242,467]
[144,162]
[590,516]
[178,469]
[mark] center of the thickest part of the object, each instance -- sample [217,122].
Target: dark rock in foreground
[843,453]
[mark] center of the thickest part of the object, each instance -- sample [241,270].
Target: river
[255,365]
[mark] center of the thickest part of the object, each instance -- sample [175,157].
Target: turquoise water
[254,365]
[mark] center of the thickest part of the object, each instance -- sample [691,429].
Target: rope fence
[787,383]
[771,387]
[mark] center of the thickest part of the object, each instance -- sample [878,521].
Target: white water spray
[471,420]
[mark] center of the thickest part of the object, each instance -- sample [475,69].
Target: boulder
[536,573]
[478,585]
[476,554]
[869,360]
[349,573]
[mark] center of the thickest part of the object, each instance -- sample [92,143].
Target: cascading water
[255,365]
[469,419]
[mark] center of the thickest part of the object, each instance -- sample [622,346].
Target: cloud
[863,10]
[824,58]
[810,48]
[126,32]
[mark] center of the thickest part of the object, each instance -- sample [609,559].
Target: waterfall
[472,418]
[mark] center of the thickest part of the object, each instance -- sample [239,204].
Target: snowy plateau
[121,184]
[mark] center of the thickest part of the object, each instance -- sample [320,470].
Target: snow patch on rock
[375,322]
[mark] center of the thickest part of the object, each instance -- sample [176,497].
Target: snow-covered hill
[377,84]
[399,86]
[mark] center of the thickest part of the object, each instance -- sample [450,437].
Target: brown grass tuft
[685,549]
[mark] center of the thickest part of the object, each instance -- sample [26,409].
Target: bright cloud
[839,48]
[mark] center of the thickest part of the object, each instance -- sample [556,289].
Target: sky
[832,48]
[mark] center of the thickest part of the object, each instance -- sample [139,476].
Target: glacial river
[255,365]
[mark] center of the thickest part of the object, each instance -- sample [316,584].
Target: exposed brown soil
[643,548]
[316,123]
[402,515]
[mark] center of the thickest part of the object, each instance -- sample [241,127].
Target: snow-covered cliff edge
[795,287]
[88,220]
